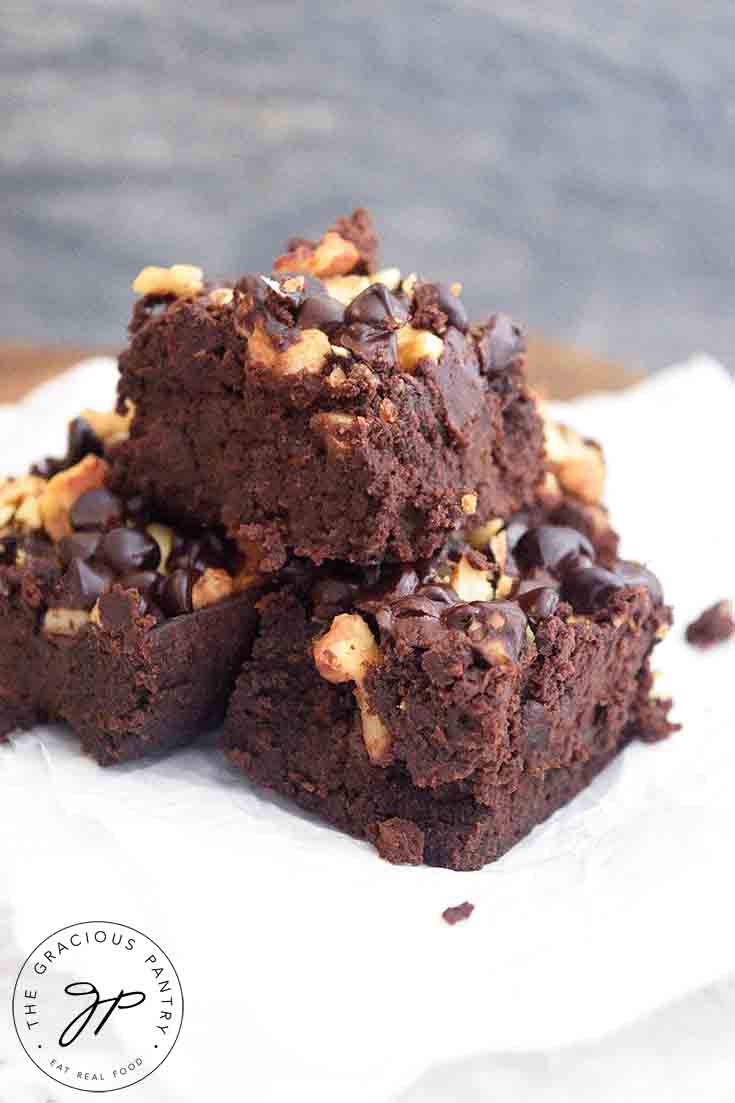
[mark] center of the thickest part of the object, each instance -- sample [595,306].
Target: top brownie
[330,410]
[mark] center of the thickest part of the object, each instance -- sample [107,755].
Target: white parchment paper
[313,970]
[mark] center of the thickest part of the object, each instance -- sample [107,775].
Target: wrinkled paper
[313,970]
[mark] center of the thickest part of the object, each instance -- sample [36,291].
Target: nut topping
[578,464]
[110,428]
[62,491]
[347,288]
[468,502]
[306,356]
[332,256]
[469,583]
[65,622]
[215,585]
[345,654]
[181,280]
[415,345]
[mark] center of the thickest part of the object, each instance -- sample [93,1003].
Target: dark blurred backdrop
[571,161]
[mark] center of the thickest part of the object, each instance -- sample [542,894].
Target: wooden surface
[558,371]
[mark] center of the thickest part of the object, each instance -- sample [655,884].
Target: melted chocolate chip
[504,343]
[395,582]
[635,574]
[554,547]
[588,589]
[452,306]
[540,603]
[78,545]
[321,312]
[174,595]
[375,306]
[127,550]
[8,548]
[376,347]
[96,509]
[83,583]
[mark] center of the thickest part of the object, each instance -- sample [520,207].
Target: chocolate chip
[321,312]
[538,604]
[129,550]
[199,552]
[452,306]
[83,583]
[496,629]
[394,583]
[588,589]
[376,347]
[78,545]
[82,441]
[635,574]
[174,595]
[375,306]
[8,548]
[554,547]
[505,343]
[96,509]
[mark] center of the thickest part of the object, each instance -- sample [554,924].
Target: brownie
[126,629]
[442,709]
[715,625]
[330,411]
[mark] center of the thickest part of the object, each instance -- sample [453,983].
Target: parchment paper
[313,970]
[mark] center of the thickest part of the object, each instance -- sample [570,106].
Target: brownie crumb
[713,625]
[457,913]
[400,841]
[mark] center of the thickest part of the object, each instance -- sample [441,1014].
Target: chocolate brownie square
[130,631]
[329,410]
[442,709]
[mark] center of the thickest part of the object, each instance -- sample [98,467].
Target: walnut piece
[181,280]
[345,653]
[337,431]
[19,502]
[306,356]
[579,465]
[220,296]
[415,345]
[481,536]
[111,428]
[390,277]
[332,256]
[468,502]
[64,622]
[164,537]
[62,491]
[215,585]
[469,583]
[346,288]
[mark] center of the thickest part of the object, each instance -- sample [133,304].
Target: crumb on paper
[457,913]
[714,625]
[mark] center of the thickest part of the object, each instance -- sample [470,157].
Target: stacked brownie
[329,480]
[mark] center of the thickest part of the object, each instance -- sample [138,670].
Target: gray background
[570,160]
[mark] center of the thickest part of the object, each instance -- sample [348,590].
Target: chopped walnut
[347,288]
[64,622]
[468,502]
[181,280]
[388,412]
[408,285]
[481,536]
[62,491]
[220,296]
[19,502]
[214,585]
[415,345]
[579,465]
[332,256]
[306,356]
[111,428]
[345,653]
[469,583]
[164,537]
[337,430]
[390,277]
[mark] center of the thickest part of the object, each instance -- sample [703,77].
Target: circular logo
[98,1006]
